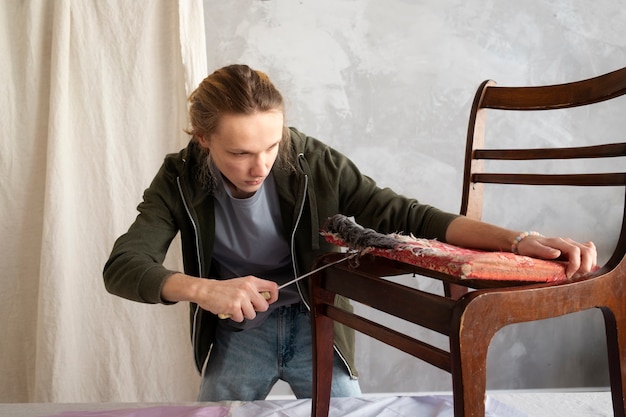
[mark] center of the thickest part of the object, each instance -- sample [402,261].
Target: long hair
[234,89]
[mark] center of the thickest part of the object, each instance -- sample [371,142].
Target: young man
[249,196]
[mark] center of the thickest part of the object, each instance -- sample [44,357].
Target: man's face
[244,149]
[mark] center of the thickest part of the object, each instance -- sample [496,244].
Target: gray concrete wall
[390,84]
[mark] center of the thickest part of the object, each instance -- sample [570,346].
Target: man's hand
[465,232]
[581,258]
[240,298]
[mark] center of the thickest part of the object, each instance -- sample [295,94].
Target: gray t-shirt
[249,240]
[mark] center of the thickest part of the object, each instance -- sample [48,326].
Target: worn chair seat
[453,261]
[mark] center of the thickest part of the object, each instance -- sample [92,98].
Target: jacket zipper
[197,236]
[293,234]
[293,262]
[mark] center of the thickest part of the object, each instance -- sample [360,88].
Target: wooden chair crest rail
[470,318]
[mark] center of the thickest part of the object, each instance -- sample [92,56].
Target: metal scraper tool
[266,294]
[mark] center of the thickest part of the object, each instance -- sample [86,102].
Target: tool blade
[316,270]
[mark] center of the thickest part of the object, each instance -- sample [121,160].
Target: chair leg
[469,345]
[470,337]
[454,291]
[323,354]
[469,372]
[616,347]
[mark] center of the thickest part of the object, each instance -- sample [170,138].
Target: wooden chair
[471,318]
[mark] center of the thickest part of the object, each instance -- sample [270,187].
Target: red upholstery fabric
[463,263]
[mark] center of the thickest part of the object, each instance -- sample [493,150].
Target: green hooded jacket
[322,183]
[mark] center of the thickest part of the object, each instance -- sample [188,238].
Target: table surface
[498,404]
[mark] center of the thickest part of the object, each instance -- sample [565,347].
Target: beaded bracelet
[521,237]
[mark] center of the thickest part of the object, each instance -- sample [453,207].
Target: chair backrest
[562,96]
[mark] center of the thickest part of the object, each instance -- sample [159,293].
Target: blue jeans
[245,365]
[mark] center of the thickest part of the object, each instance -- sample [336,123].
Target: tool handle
[265,294]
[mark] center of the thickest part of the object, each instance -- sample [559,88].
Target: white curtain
[93,95]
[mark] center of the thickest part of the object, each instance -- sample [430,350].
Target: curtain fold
[93,97]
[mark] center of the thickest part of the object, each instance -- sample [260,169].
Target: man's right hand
[239,298]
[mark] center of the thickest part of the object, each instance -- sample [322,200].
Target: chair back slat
[582,180]
[580,93]
[599,151]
